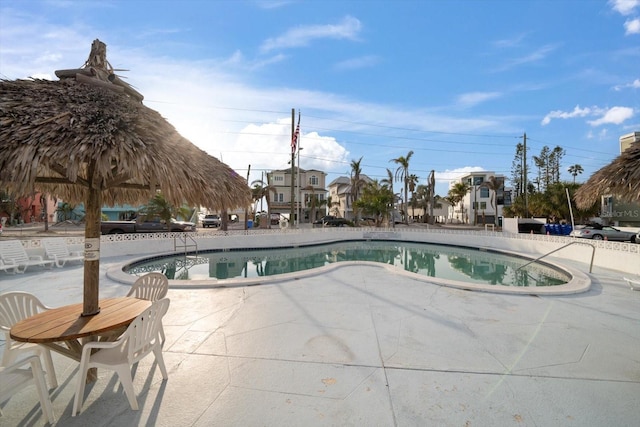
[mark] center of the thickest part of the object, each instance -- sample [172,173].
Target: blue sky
[457,82]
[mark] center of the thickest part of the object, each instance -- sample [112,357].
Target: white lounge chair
[4,266]
[57,250]
[140,339]
[12,252]
[13,379]
[14,307]
[633,284]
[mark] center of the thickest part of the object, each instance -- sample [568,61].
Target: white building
[479,204]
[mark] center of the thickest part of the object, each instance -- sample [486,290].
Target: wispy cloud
[615,115]
[535,56]
[559,114]
[348,28]
[357,63]
[273,4]
[633,85]
[512,42]
[474,98]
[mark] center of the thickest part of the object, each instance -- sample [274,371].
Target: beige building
[340,194]
[307,184]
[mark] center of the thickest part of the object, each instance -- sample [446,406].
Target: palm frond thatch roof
[620,178]
[55,134]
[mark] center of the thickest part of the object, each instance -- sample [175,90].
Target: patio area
[360,345]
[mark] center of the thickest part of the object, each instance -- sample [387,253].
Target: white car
[602,232]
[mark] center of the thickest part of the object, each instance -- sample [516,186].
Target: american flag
[296,135]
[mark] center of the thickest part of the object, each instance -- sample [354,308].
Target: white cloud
[634,85]
[348,29]
[356,63]
[558,114]
[615,115]
[624,7]
[632,26]
[534,56]
[474,98]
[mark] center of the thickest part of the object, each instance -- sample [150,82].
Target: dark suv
[211,221]
[331,221]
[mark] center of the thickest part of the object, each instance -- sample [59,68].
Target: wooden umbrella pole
[92,252]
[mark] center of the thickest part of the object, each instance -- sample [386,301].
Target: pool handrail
[593,253]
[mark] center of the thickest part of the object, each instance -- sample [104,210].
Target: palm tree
[333,206]
[493,184]
[402,174]
[261,189]
[356,184]
[159,206]
[457,194]
[313,202]
[575,170]
[412,182]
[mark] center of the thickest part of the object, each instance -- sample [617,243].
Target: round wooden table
[66,325]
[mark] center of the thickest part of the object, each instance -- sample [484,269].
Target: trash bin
[249,223]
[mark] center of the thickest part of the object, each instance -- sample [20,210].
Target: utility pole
[524,179]
[246,209]
[293,165]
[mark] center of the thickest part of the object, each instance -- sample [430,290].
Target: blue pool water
[445,262]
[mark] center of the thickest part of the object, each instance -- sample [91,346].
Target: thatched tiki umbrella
[88,138]
[620,178]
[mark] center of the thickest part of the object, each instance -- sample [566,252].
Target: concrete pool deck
[360,345]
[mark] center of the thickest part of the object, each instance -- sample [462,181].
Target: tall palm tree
[575,170]
[356,185]
[333,206]
[402,174]
[262,189]
[493,184]
[457,194]
[313,202]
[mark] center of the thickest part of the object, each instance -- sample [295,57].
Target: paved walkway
[361,346]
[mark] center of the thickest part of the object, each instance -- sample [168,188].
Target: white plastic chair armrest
[36,258]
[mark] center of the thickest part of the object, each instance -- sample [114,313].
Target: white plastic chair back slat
[151,286]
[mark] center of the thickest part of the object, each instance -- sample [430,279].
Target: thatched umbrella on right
[620,178]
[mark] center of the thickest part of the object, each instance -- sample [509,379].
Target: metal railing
[183,237]
[593,253]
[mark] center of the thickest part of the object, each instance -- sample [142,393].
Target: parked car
[602,232]
[636,238]
[145,225]
[211,221]
[331,221]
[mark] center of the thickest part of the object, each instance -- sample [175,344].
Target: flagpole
[298,179]
[293,154]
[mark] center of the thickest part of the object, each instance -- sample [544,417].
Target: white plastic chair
[14,307]
[140,339]
[14,379]
[152,287]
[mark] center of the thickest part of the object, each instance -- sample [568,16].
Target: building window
[280,197]
[313,180]
[483,205]
[278,178]
[484,192]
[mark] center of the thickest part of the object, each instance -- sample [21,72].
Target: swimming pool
[451,263]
